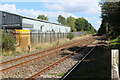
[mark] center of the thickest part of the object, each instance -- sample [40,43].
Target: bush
[70,36]
[8,42]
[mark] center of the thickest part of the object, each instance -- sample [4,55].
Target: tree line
[76,24]
[110,19]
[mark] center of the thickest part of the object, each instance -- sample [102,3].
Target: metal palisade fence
[46,37]
[50,37]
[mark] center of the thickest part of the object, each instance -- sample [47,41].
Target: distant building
[14,21]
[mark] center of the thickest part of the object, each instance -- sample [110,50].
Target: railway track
[91,65]
[58,49]
[41,52]
[78,63]
[10,61]
[59,61]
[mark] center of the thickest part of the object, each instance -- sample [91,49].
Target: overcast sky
[88,9]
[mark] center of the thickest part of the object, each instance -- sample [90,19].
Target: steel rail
[23,63]
[72,69]
[20,58]
[49,67]
[54,64]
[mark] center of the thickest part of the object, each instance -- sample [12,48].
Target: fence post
[54,36]
[31,38]
[45,36]
[37,37]
[59,36]
[41,37]
[63,35]
[50,36]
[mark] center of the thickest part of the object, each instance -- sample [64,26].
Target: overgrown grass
[115,43]
[60,74]
[12,53]
[56,43]
[47,45]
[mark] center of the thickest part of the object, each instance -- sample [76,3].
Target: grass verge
[57,74]
[115,43]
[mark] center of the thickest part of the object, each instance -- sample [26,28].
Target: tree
[43,17]
[102,29]
[81,24]
[61,20]
[111,18]
[71,23]
[86,28]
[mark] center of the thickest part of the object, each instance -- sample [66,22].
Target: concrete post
[115,64]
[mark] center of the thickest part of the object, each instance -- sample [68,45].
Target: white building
[14,21]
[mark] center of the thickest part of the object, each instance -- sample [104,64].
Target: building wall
[55,28]
[11,21]
[14,21]
[64,29]
[27,26]
[36,24]
[45,26]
